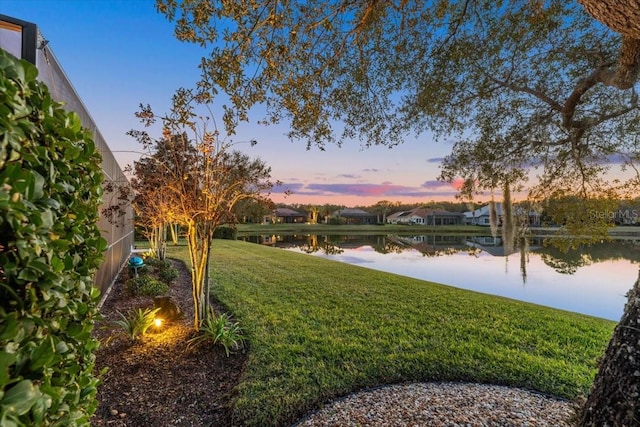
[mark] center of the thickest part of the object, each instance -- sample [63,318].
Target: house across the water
[481,216]
[424,216]
[354,216]
[285,216]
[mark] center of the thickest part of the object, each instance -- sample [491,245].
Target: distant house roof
[351,212]
[484,211]
[397,214]
[422,213]
[442,212]
[286,212]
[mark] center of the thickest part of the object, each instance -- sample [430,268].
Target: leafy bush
[145,285]
[137,322]
[50,249]
[219,330]
[155,262]
[145,269]
[225,232]
[168,274]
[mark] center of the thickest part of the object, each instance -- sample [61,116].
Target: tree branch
[556,106]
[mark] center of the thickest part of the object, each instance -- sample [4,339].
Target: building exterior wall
[22,39]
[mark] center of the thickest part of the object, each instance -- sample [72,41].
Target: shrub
[225,232]
[50,249]
[168,274]
[137,322]
[154,261]
[145,269]
[145,285]
[219,330]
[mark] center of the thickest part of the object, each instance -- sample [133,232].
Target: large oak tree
[522,87]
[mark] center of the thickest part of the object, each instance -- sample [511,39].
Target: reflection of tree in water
[325,245]
[387,246]
[443,245]
[523,245]
[311,245]
[569,263]
[431,246]
[443,251]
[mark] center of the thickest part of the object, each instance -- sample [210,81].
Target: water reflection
[591,280]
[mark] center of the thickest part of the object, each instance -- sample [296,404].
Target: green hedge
[50,249]
[225,232]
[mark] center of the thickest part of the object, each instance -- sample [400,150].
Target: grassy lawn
[320,329]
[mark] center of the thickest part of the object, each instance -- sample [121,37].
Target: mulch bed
[159,380]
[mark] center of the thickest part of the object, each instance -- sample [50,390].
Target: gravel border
[443,404]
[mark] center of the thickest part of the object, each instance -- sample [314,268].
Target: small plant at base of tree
[137,322]
[219,330]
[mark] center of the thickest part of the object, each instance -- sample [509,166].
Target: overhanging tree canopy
[518,84]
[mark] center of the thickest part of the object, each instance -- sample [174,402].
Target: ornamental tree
[201,180]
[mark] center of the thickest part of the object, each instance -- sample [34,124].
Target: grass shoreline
[320,329]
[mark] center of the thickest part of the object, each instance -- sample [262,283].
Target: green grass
[319,329]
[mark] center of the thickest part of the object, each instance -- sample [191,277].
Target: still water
[592,280]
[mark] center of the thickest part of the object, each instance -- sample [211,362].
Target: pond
[593,280]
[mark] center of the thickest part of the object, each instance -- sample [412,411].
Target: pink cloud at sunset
[353,194]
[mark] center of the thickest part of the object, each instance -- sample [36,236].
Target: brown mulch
[159,380]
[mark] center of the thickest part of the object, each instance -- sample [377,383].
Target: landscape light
[157,322]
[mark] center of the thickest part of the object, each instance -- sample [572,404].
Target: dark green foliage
[50,248]
[146,285]
[162,268]
[168,274]
[153,261]
[228,233]
[157,263]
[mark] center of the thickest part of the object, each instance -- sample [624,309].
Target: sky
[121,53]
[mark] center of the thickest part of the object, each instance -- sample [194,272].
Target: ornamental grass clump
[219,330]
[137,322]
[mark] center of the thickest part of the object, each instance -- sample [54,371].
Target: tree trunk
[615,396]
[199,236]
[158,241]
[151,237]
[622,16]
[162,241]
[493,219]
[508,225]
[174,232]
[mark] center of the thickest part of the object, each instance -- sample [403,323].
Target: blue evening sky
[120,53]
